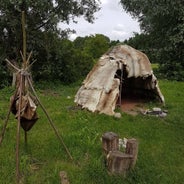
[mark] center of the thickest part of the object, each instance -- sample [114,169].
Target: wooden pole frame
[18,132]
[24,40]
[121,82]
[24,75]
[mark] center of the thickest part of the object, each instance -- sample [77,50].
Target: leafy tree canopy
[41,16]
[44,36]
[94,45]
[163,21]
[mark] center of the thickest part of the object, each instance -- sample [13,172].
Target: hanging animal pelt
[28,106]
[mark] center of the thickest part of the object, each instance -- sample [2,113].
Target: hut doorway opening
[133,92]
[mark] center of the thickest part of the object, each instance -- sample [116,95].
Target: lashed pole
[18,132]
[121,82]
[24,40]
[25,64]
[21,92]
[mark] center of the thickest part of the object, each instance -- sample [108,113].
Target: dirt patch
[132,106]
[49,92]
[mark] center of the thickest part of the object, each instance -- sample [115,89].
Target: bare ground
[133,106]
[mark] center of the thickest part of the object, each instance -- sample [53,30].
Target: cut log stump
[132,149]
[110,142]
[64,178]
[118,162]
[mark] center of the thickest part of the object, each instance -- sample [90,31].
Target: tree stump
[132,149]
[64,178]
[118,162]
[110,142]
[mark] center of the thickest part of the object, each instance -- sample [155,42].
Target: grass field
[161,145]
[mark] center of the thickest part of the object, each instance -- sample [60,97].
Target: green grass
[155,66]
[161,145]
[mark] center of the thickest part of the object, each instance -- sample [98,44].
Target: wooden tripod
[25,83]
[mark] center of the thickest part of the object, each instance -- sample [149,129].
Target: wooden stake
[18,132]
[121,82]
[24,40]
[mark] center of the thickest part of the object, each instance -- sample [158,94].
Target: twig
[9,62]
[27,62]
[22,56]
[31,64]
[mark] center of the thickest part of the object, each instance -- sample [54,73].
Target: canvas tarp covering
[100,90]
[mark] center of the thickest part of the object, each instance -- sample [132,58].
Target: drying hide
[121,71]
[28,106]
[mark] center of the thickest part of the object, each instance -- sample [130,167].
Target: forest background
[58,58]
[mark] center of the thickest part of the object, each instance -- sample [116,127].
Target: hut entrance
[133,92]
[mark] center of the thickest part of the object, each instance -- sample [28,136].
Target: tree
[94,45]
[72,64]
[163,21]
[143,43]
[79,42]
[41,15]
[97,45]
[114,42]
[42,18]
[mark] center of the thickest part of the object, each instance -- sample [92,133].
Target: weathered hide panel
[137,64]
[88,98]
[107,102]
[102,75]
[98,100]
